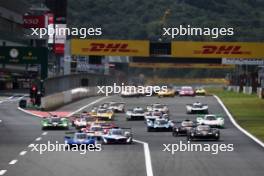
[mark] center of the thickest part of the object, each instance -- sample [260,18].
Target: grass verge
[248,110]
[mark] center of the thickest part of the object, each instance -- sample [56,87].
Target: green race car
[55,123]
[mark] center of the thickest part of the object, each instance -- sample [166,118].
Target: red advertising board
[34,21]
[58,48]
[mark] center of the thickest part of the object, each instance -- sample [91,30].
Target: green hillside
[137,19]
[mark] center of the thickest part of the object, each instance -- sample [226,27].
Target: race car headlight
[177,129]
[65,124]
[192,134]
[216,134]
[210,133]
[45,124]
[105,140]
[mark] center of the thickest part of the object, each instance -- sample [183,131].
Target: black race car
[184,128]
[203,132]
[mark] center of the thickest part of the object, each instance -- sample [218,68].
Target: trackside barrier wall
[247,90]
[58,99]
[68,82]
[260,92]
[233,88]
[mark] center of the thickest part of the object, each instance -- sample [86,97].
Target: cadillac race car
[197,108]
[200,91]
[166,93]
[160,124]
[117,106]
[203,132]
[183,129]
[212,120]
[135,114]
[158,107]
[118,136]
[79,138]
[55,122]
[105,114]
[187,91]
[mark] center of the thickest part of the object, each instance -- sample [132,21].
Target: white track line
[31,145]
[22,153]
[13,162]
[38,139]
[30,113]
[44,133]
[2,172]
[147,157]
[236,124]
[88,105]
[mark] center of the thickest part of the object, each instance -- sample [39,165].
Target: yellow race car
[200,91]
[105,114]
[93,112]
[167,93]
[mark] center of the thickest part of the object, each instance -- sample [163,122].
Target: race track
[18,130]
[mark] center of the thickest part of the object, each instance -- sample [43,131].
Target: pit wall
[56,100]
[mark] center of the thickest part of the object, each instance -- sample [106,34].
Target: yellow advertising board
[176,65]
[110,47]
[248,50]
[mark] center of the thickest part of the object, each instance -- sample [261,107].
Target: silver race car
[158,107]
[137,113]
[117,106]
[197,108]
[160,124]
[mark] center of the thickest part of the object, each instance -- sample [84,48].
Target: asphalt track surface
[18,130]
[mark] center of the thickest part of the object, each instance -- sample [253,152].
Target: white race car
[197,108]
[158,107]
[212,120]
[153,115]
[117,106]
[135,114]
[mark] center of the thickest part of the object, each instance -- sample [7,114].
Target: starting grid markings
[22,153]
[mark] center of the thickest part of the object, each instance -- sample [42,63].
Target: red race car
[187,91]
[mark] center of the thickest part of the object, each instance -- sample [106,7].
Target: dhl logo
[224,49]
[109,47]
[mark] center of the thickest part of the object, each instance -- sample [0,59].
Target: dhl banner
[241,50]
[110,47]
[173,65]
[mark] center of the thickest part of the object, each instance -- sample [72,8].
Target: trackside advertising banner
[109,47]
[241,50]
[173,65]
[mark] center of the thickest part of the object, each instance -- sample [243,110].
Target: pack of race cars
[98,124]
[168,92]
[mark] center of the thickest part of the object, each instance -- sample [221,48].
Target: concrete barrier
[233,88]
[260,92]
[58,99]
[247,90]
